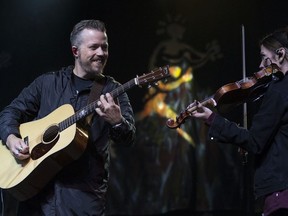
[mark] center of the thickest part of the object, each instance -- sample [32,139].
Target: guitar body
[24,179]
[55,141]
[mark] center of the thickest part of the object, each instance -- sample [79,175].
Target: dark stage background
[168,171]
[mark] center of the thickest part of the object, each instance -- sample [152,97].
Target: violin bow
[242,151]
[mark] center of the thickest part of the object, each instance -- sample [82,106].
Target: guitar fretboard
[85,111]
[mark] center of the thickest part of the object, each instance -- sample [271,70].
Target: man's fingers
[21,156]
[110,99]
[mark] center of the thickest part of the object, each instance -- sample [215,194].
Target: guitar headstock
[154,76]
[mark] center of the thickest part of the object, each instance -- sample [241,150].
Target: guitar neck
[85,111]
[146,79]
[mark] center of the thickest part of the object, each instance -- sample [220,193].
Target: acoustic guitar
[55,141]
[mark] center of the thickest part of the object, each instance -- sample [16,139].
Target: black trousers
[280,212]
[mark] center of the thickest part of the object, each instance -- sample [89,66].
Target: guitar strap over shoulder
[94,95]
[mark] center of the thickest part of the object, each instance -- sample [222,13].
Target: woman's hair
[276,39]
[85,24]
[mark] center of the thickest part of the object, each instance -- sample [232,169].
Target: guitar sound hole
[50,134]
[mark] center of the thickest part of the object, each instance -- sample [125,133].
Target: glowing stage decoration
[157,103]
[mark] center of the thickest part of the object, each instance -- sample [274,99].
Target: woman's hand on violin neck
[201,112]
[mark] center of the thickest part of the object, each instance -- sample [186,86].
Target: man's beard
[89,69]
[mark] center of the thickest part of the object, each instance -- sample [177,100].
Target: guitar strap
[94,95]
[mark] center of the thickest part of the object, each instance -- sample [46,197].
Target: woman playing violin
[267,137]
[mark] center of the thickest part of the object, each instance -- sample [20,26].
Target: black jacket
[267,138]
[80,187]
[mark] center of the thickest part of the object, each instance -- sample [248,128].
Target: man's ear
[75,51]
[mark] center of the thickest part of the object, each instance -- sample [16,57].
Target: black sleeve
[264,126]
[22,109]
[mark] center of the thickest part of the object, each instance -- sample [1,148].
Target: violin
[233,94]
